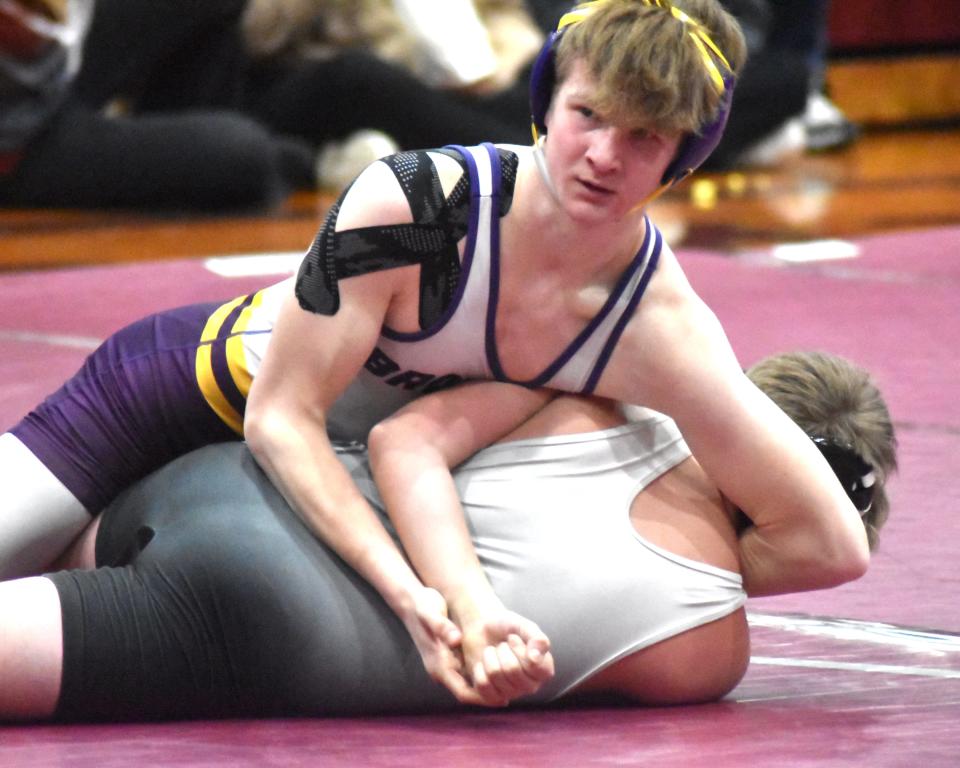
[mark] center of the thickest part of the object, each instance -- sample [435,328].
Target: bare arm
[805,534]
[411,454]
[310,361]
[676,358]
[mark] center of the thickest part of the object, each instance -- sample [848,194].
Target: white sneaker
[826,126]
[340,162]
[789,140]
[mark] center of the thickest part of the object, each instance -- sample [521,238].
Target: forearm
[793,559]
[424,506]
[805,534]
[303,466]
[412,454]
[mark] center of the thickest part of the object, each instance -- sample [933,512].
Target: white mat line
[281,263]
[872,632]
[53,339]
[854,666]
[815,250]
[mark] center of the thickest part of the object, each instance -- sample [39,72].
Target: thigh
[30,648]
[320,100]
[206,160]
[134,45]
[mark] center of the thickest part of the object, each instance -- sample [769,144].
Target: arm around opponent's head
[675,357]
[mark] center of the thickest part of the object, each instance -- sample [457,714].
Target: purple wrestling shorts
[134,406]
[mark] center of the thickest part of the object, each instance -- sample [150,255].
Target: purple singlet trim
[623,281]
[604,357]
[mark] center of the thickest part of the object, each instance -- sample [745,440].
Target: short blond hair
[828,396]
[648,68]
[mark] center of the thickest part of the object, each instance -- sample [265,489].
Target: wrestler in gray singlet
[221,603]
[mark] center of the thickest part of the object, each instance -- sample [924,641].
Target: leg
[31,649]
[771,89]
[218,602]
[134,405]
[801,26]
[212,160]
[82,552]
[139,48]
[329,99]
[40,517]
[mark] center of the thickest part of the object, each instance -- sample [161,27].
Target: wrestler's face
[602,167]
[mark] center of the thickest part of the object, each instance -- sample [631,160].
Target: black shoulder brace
[439,223]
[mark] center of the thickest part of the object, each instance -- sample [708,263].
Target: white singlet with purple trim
[461,344]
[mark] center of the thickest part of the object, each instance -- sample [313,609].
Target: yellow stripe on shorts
[204,368]
[236,356]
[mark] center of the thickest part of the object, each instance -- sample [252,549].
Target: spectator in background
[802,26]
[60,147]
[779,107]
[225,104]
[419,72]
[765,125]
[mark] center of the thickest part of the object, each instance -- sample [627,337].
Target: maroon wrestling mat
[867,674]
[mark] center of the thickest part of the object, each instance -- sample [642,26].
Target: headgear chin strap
[695,147]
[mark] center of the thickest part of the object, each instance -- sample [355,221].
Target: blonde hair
[648,67]
[830,397]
